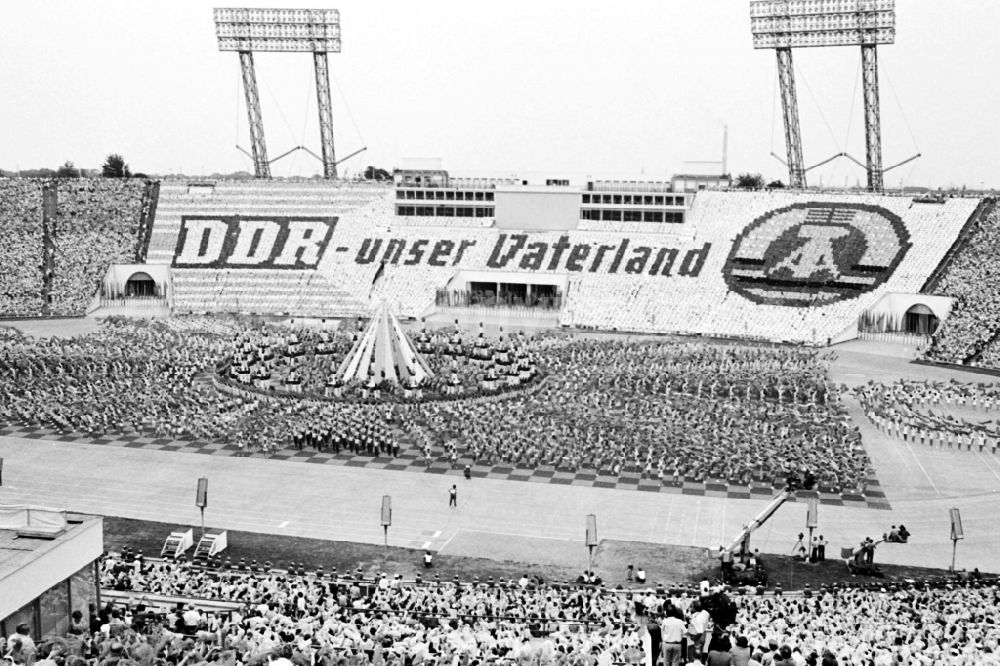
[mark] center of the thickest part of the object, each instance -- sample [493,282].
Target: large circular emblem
[813,254]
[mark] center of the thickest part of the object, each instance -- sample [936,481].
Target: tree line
[114,167]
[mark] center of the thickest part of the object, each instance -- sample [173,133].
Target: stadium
[458,419]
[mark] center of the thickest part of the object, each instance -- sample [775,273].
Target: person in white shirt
[671,635]
[699,631]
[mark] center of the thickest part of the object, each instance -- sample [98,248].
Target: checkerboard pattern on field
[411,460]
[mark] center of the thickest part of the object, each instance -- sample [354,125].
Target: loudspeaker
[956,524]
[812,514]
[591,530]
[386,510]
[201,500]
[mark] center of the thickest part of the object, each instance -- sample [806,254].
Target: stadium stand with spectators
[970,277]
[313,618]
[54,262]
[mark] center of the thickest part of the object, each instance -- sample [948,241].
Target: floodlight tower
[786,24]
[315,31]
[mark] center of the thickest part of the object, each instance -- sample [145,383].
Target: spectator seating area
[56,268]
[364,203]
[260,291]
[972,278]
[97,224]
[655,303]
[706,306]
[328,620]
[702,303]
[21,252]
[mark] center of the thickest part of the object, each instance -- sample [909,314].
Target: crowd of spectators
[56,268]
[973,280]
[97,224]
[22,249]
[326,620]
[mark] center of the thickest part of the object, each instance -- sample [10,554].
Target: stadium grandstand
[500,361]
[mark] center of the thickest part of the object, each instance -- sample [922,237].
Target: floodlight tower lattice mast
[869,76]
[282,30]
[784,24]
[790,109]
[258,147]
[325,114]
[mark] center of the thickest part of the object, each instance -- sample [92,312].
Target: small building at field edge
[48,568]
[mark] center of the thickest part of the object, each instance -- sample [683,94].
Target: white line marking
[988,465]
[441,549]
[670,511]
[697,518]
[427,544]
[921,466]
[436,534]
[284,524]
[725,502]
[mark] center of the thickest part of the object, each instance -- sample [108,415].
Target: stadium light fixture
[278,30]
[786,24]
[315,31]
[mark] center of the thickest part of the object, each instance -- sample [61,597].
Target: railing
[449,298]
[921,342]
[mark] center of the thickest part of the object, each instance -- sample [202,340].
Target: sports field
[531,521]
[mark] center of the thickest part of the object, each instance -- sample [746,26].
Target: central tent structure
[384,353]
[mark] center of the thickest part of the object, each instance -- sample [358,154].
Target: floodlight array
[286,30]
[761,8]
[803,23]
[824,38]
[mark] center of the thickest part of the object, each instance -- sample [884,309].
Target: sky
[638,89]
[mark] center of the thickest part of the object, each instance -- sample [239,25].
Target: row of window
[633,199]
[445,195]
[671,217]
[444,211]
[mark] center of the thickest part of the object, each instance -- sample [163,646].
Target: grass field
[667,564]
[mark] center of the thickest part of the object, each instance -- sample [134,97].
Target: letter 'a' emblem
[814,254]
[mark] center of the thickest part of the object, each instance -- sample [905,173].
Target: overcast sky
[632,89]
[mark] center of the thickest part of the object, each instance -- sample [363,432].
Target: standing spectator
[21,648]
[741,651]
[672,634]
[719,654]
[699,631]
